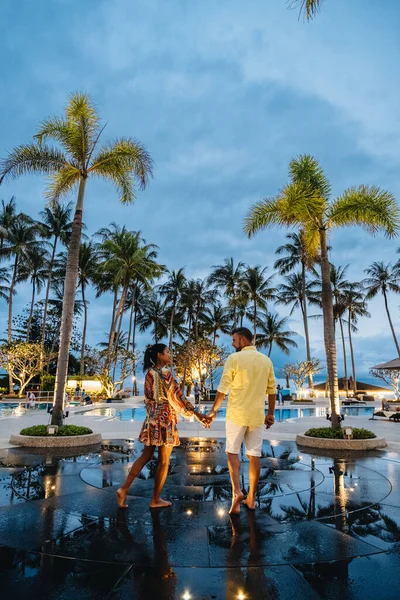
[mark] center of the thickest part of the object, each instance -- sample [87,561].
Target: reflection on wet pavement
[320,522]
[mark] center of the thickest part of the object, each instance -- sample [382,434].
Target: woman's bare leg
[135,469]
[164,454]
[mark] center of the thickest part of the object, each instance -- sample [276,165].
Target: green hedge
[337,434]
[64,430]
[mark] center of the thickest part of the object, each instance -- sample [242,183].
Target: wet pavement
[325,527]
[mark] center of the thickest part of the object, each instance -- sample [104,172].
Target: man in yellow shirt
[248,376]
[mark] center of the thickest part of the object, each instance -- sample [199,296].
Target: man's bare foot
[160,503]
[249,505]
[236,500]
[121,497]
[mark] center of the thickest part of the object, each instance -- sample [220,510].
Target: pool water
[281,414]
[17,409]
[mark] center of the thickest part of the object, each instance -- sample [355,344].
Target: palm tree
[383,278]
[4,279]
[7,216]
[129,259]
[154,316]
[272,332]
[56,225]
[308,8]
[355,305]
[172,290]
[20,243]
[217,318]
[203,298]
[36,269]
[305,203]
[297,291]
[70,162]
[257,287]
[88,265]
[227,277]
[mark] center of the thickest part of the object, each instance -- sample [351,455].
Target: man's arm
[270,416]
[219,398]
[223,388]
[271,391]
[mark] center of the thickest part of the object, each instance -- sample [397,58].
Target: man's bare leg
[135,469]
[254,477]
[234,471]
[164,454]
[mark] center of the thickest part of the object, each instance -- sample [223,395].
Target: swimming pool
[17,409]
[281,414]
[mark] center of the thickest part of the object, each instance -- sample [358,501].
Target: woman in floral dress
[163,399]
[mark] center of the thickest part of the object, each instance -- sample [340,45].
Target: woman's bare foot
[236,500]
[160,503]
[121,498]
[248,504]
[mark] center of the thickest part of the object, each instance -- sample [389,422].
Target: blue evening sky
[223,94]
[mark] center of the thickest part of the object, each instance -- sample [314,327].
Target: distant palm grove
[52,252]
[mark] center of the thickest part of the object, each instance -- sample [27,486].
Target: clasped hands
[206,420]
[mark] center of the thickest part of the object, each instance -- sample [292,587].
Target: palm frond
[120,159]
[369,206]
[307,8]
[62,182]
[32,158]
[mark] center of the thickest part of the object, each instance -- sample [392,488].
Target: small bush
[337,434]
[63,431]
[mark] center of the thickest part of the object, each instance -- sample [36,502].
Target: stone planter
[327,444]
[72,441]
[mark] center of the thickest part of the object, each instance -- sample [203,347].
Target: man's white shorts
[236,434]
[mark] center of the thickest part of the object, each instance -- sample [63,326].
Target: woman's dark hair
[151,356]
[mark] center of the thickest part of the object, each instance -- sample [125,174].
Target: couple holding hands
[248,376]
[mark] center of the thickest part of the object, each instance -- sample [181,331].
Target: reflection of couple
[248,375]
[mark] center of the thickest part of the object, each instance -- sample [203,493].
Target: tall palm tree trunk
[119,311]
[391,324]
[270,349]
[171,333]
[353,366]
[329,332]
[71,277]
[135,386]
[46,300]
[28,326]
[346,380]
[85,313]
[128,343]
[187,345]
[116,347]
[10,299]
[305,323]
[255,323]
[10,312]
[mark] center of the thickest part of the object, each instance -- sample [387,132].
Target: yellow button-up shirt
[248,376]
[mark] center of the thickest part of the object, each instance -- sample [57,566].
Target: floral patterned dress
[163,399]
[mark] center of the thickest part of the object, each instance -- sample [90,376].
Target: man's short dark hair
[243,331]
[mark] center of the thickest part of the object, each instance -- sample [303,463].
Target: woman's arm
[180,403]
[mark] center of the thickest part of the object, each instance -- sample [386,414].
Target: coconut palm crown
[67,150]
[305,203]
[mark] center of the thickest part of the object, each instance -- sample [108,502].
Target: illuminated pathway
[325,527]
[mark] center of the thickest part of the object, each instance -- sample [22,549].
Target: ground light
[240,595]
[220,512]
[186,596]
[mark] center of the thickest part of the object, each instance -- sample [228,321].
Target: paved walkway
[324,528]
